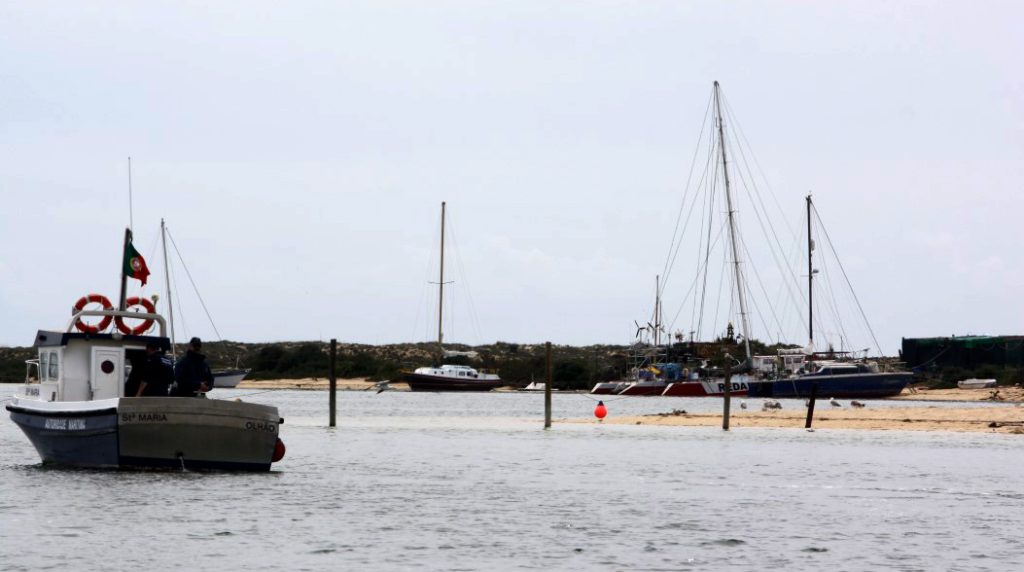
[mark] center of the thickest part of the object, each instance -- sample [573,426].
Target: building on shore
[965,352]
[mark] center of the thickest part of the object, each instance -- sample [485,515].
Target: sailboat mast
[732,227]
[810,279]
[167,278]
[440,284]
[657,310]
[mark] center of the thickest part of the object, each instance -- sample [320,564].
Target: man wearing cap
[192,372]
[157,374]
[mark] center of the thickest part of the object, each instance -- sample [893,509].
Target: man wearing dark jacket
[157,375]
[192,372]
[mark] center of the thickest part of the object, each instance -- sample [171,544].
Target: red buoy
[278,451]
[600,411]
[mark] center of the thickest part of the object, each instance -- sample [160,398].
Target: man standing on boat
[157,374]
[192,372]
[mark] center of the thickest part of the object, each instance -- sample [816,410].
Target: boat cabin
[81,366]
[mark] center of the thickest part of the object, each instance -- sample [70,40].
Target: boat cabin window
[44,365]
[54,371]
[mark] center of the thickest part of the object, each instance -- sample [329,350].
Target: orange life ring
[95,299]
[145,325]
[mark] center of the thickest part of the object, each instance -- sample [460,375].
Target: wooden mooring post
[334,381]
[810,405]
[727,393]
[547,390]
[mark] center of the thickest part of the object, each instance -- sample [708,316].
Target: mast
[167,277]
[810,279]
[657,310]
[732,228]
[440,289]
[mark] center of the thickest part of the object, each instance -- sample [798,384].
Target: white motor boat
[975,383]
[229,378]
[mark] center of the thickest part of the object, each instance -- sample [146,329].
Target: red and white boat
[712,387]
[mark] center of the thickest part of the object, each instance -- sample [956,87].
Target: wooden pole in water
[727,392]
[334,381]
[810,405]
[547,391]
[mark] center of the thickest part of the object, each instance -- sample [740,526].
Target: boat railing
[119,313]
[31,364]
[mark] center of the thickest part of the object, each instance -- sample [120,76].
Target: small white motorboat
[975,383]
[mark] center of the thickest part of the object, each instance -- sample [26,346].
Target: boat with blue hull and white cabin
[75,412]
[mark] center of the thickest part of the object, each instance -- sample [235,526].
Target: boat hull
[422,382]
[638,388]
[858,385]
[151,432]
[229,378]
[608,387]
[706,388]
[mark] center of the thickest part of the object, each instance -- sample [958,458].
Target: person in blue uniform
[157,373]
[192,373]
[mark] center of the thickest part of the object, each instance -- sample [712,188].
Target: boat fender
[278,451]
[94,299]
[145,325]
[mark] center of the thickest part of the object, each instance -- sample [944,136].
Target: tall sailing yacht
[448,377]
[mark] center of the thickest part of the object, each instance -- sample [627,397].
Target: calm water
[472,482]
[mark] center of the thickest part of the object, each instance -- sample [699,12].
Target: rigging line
[821,224]
[177,304]
[677,245]
[764,221]
[194,287]
[833,301]
[701,185]
[473,315]
[709,204]
[764,291]
[686,188]
[725,276]
[743,139]
[826,305]
[693,283]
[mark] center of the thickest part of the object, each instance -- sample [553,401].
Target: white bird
[856,404]
[834,403]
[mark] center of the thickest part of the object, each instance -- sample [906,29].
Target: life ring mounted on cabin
[145,325]
[92,299]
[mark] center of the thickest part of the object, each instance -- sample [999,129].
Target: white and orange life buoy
[145,325]
[92,299]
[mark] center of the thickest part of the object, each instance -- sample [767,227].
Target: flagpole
[124,277]
[131,210]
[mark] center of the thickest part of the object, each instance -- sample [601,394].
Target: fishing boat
[74,410]
[448,377]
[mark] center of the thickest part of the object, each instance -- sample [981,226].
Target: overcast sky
[300,152]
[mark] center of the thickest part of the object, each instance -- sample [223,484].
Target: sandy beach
[1008,418]
[353,384]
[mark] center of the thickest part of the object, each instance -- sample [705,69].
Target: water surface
[473,482]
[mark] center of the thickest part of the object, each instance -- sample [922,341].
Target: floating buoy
[278,451]
[600,411]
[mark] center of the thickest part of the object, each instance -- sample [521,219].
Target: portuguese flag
[134,265]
